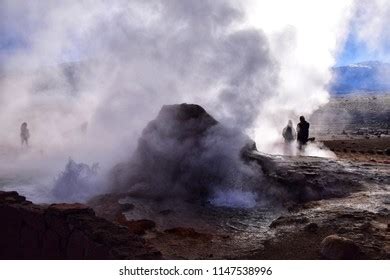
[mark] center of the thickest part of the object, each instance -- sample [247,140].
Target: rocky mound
[185,152]
[63,231]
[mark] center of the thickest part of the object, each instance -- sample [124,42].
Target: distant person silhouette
[303,132]
[289,132]
[24,134]
[289,135]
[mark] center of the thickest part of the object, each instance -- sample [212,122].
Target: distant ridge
[363,77]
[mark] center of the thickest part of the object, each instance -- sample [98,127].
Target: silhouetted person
[289,137]
[24,134]
[84,127]
[289,132]
[303,132]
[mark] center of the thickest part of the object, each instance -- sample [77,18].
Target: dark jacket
[303,132]
[288,134]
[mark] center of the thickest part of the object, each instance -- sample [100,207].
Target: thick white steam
[305,36]
[88,75]
[371,26]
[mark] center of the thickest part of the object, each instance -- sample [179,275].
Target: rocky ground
[307,207]
[360,218]
[335,210]
[356,127]
[374,150]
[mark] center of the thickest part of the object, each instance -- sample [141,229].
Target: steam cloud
[371,26]
[88,75]
[133,58]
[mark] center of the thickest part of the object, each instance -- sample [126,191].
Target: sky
[356,50]
[368,37]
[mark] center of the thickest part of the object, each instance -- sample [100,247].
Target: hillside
[371,76]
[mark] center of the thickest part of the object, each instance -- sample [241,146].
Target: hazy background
[88,75]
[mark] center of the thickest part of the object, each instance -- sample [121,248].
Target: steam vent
[183,152]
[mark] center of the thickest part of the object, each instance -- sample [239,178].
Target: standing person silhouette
[303,132]
[289,135]
[289,132]
[24,134]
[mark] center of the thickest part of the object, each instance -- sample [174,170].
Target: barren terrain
[307,207]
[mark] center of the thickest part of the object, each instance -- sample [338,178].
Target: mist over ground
[87,76]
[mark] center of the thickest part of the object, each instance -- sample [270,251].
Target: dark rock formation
[183,152]
[303,179]
[335,247]
[63,231]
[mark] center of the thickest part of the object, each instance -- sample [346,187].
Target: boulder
[335,247]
